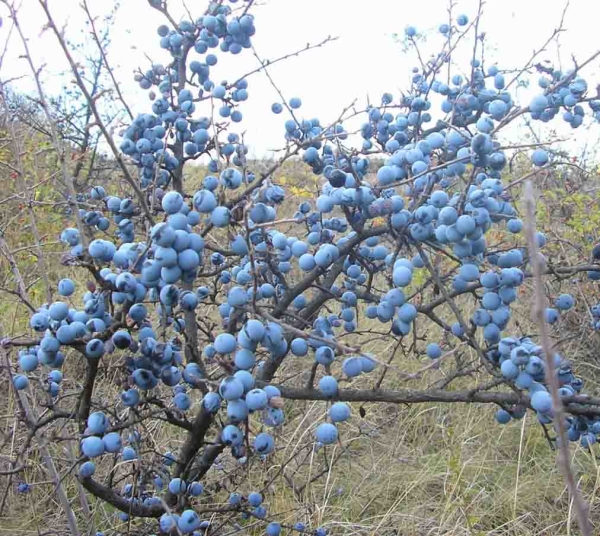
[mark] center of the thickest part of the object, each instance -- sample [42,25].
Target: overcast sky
[365,61]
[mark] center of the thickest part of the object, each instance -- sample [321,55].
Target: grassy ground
[422,470]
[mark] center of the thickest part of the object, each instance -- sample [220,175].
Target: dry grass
[424,470]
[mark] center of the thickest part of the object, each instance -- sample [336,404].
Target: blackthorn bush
[203,298]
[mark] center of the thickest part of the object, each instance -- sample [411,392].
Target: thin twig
[538,310]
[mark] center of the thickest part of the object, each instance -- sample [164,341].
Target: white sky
[364,61]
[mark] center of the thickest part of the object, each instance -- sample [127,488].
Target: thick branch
[577,405]
[111,497]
